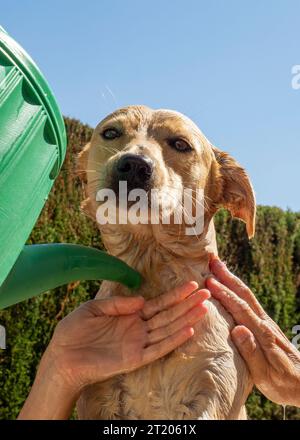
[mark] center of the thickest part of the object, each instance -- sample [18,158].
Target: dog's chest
[187,384]
[180,386]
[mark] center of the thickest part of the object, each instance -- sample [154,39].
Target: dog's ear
[81,163]
[236,193]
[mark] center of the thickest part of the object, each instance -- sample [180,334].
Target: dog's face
[163,150]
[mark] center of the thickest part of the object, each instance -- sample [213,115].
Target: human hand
[105,337]
[273,361]
[110,336]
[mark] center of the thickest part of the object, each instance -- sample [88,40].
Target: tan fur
[205,378]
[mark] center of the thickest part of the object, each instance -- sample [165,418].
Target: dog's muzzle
[135,169]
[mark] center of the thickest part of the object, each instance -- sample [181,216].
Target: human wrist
[58,366]
[50,397]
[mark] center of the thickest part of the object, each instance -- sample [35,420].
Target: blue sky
[226,64]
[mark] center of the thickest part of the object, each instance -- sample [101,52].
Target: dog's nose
[135,169]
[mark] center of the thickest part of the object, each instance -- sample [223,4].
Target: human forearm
[50,396]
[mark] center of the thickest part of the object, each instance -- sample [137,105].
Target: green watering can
[32,150]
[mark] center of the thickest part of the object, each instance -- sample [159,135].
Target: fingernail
[212,258]
[240,337]
[209,277]
[219,264]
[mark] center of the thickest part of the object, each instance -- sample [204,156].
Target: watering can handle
[42,267]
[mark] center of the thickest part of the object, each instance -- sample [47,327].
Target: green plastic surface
[32,147]
[32,150]
[43,267]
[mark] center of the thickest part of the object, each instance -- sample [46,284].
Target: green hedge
[270,264]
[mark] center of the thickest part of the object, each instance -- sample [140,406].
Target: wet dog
[163,150]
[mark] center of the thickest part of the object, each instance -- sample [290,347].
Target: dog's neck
[164,258]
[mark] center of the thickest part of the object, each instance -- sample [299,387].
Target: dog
[205,378]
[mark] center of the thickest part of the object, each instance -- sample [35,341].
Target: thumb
[250,351]
[118,305]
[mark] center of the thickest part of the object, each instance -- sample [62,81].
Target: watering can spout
[43,267]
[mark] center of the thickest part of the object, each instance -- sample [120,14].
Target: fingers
[187,320]
[240,310]
[156,351]
[175,312]
[117,305]
[219,269]
[251,352]
[168,299]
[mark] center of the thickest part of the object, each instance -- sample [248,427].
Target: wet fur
[205,378]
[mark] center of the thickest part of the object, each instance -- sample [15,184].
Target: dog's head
[165,151]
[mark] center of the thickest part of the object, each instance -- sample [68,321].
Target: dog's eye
[111,133]
[180,145]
